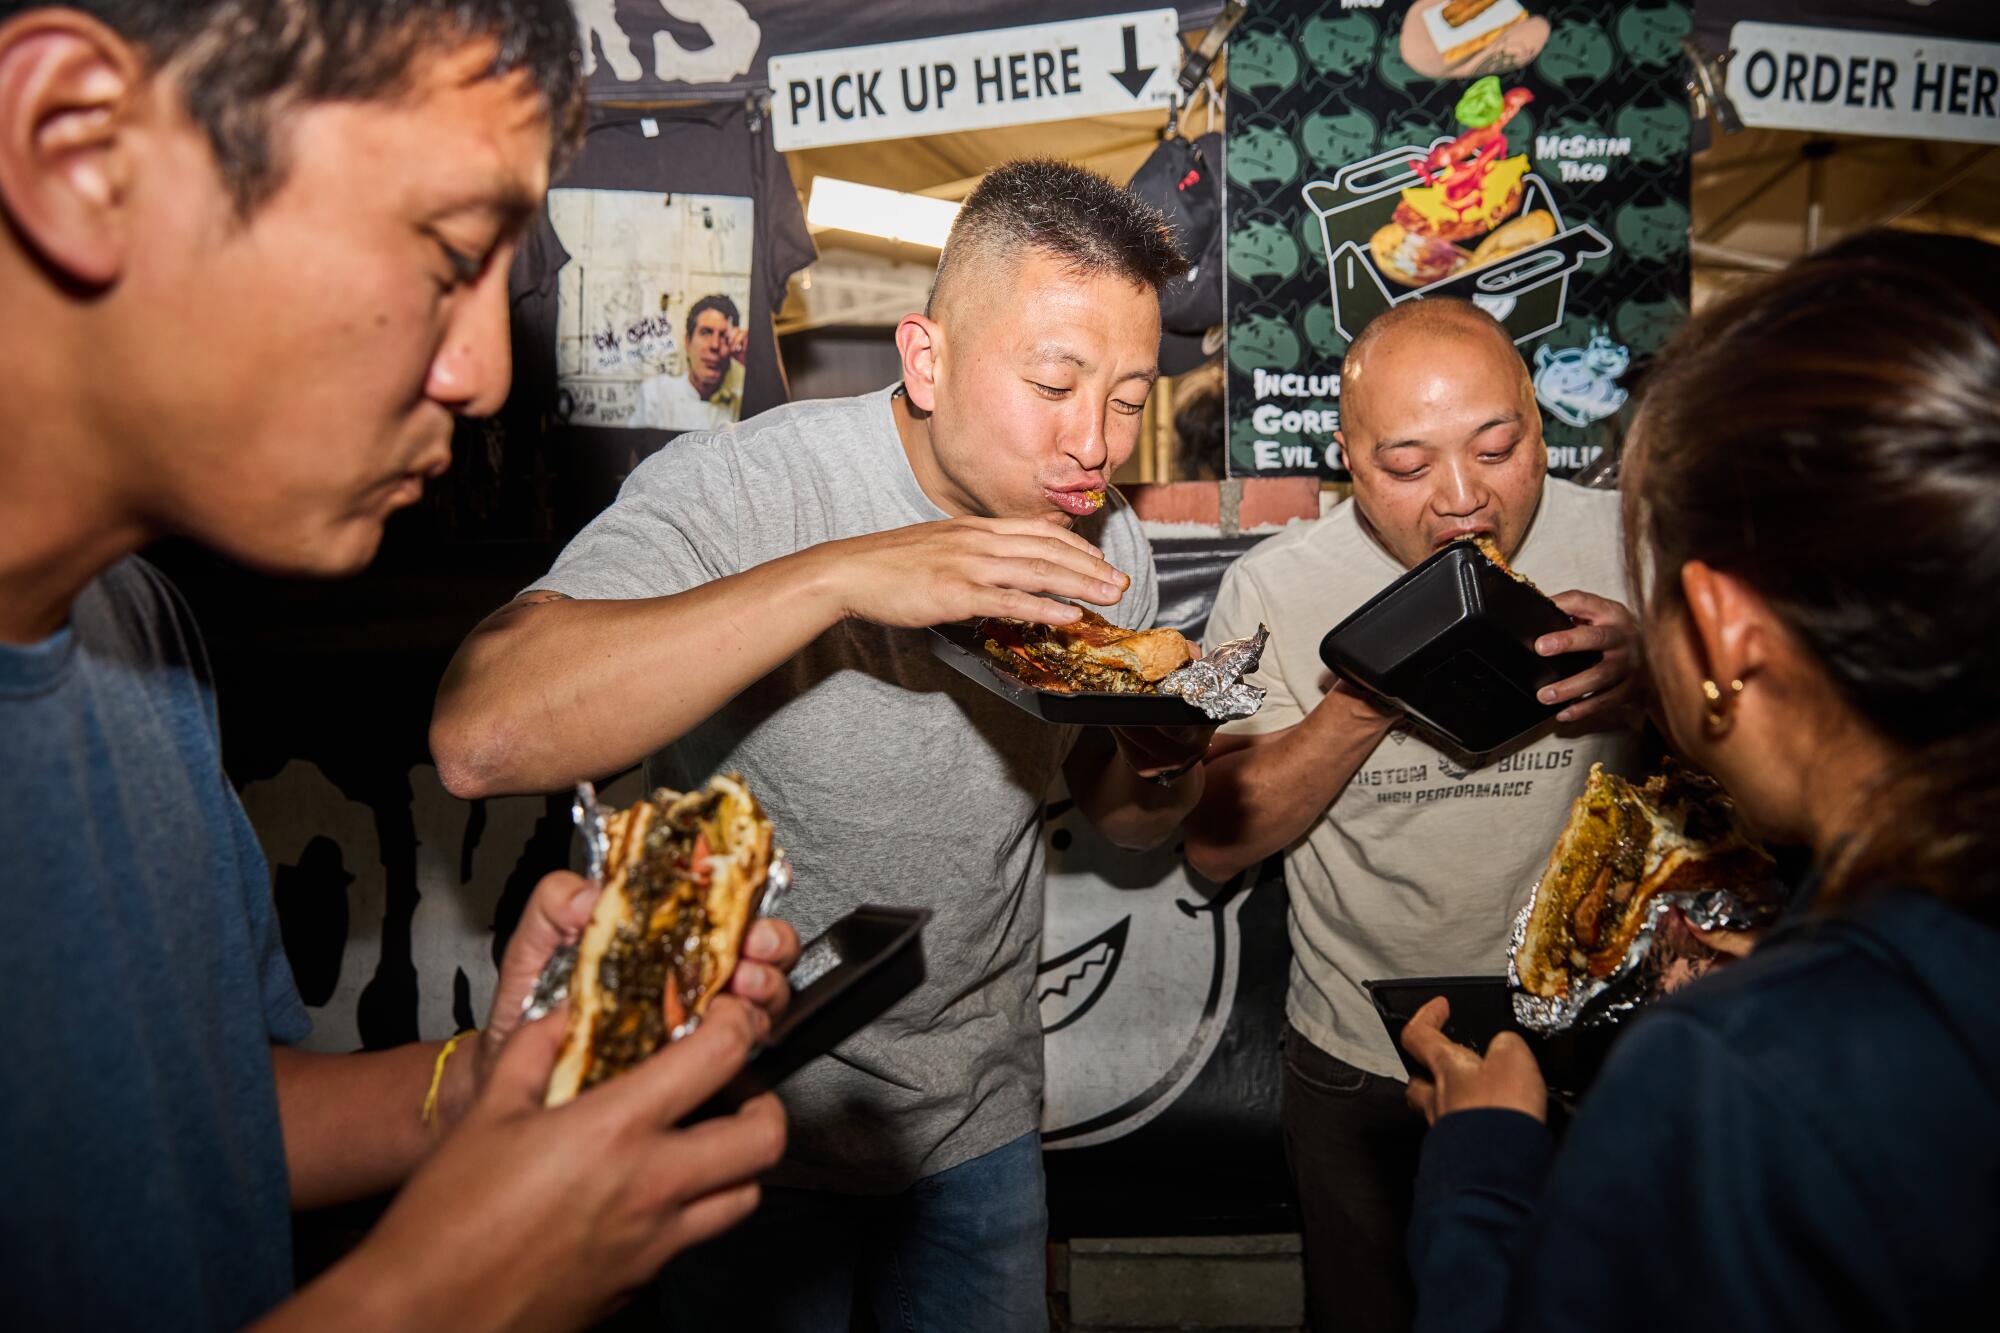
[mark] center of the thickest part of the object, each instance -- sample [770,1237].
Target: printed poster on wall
[651,307]
[1527,155]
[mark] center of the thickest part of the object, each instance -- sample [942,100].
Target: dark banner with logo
[1528,155]
[643,50]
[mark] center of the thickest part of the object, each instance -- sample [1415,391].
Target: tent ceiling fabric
[949,165]
[1861,182]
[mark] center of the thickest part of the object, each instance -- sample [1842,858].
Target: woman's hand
[1506,1077]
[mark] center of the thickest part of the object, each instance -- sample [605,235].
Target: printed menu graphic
[1530,156]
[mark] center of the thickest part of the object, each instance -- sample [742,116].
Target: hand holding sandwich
[528,1217]
[598,664]
[968,568]
[555,915]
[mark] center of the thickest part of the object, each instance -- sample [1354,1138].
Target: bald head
[1439,330]
[1439,429]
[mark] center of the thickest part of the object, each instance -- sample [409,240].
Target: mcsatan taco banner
[1528,155]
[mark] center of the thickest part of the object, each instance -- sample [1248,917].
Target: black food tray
[845,979]
[1481,1009]
[1452,643]
[957,646]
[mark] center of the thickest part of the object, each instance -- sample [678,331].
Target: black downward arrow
[1132,76]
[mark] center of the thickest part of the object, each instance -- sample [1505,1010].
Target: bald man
[756,600]
[1402,858]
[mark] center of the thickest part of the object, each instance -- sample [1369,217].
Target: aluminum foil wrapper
[1642,974]
[552,986]
[1215,683]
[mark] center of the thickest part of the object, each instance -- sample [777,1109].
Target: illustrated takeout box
[1526,291]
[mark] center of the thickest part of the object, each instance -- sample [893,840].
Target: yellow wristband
[437,1081]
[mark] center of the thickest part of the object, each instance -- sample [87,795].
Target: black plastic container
[957,645]
[845,979]
[1481,1009]
[1452,643]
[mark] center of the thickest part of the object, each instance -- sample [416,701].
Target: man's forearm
[353,1123]
[548,694]
[1261,798]
[1132,812]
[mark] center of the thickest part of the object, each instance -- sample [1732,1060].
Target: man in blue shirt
[253,263]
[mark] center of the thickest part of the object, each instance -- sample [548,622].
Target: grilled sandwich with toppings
[1491,550]
[1622,847]
[1090,656]
[684,879]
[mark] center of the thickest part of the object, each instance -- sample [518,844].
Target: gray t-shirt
[891,778]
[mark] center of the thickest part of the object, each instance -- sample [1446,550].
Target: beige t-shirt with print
[1421,863]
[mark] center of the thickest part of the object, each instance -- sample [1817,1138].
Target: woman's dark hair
[1832,438]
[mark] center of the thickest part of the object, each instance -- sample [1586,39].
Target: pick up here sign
[976,80]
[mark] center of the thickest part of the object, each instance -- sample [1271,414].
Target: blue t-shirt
[142,1169]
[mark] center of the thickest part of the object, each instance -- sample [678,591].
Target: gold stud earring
[1717,717]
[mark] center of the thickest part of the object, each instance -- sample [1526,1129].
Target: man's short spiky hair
[242,63]
[1075,216]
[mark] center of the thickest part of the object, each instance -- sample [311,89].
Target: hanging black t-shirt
[665,215]
[662,210]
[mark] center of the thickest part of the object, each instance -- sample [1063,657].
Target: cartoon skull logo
[1259,153]
[1652,35]
[1262,60]
[1396,71]
[1260,341]
[1138,977]
[1262,249]
[1338,45]
[1576,51]
[1659,134]
[1653,232]
[1318,326]
[1337,138]
[1646,325]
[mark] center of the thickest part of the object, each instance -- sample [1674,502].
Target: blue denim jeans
[963,1250]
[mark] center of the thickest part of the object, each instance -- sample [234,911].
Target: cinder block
[1196,1246]
[1208,1282]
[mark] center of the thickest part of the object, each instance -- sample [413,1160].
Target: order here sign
[975,80]
[1835,79]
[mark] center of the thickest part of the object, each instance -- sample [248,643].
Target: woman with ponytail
[1810,1137]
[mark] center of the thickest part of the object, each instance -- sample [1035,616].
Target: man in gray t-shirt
[756,600]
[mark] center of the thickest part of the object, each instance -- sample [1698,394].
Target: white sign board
[1836,80]
[976,80]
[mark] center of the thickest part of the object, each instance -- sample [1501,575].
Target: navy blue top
[142,1170]
[1806,1139]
